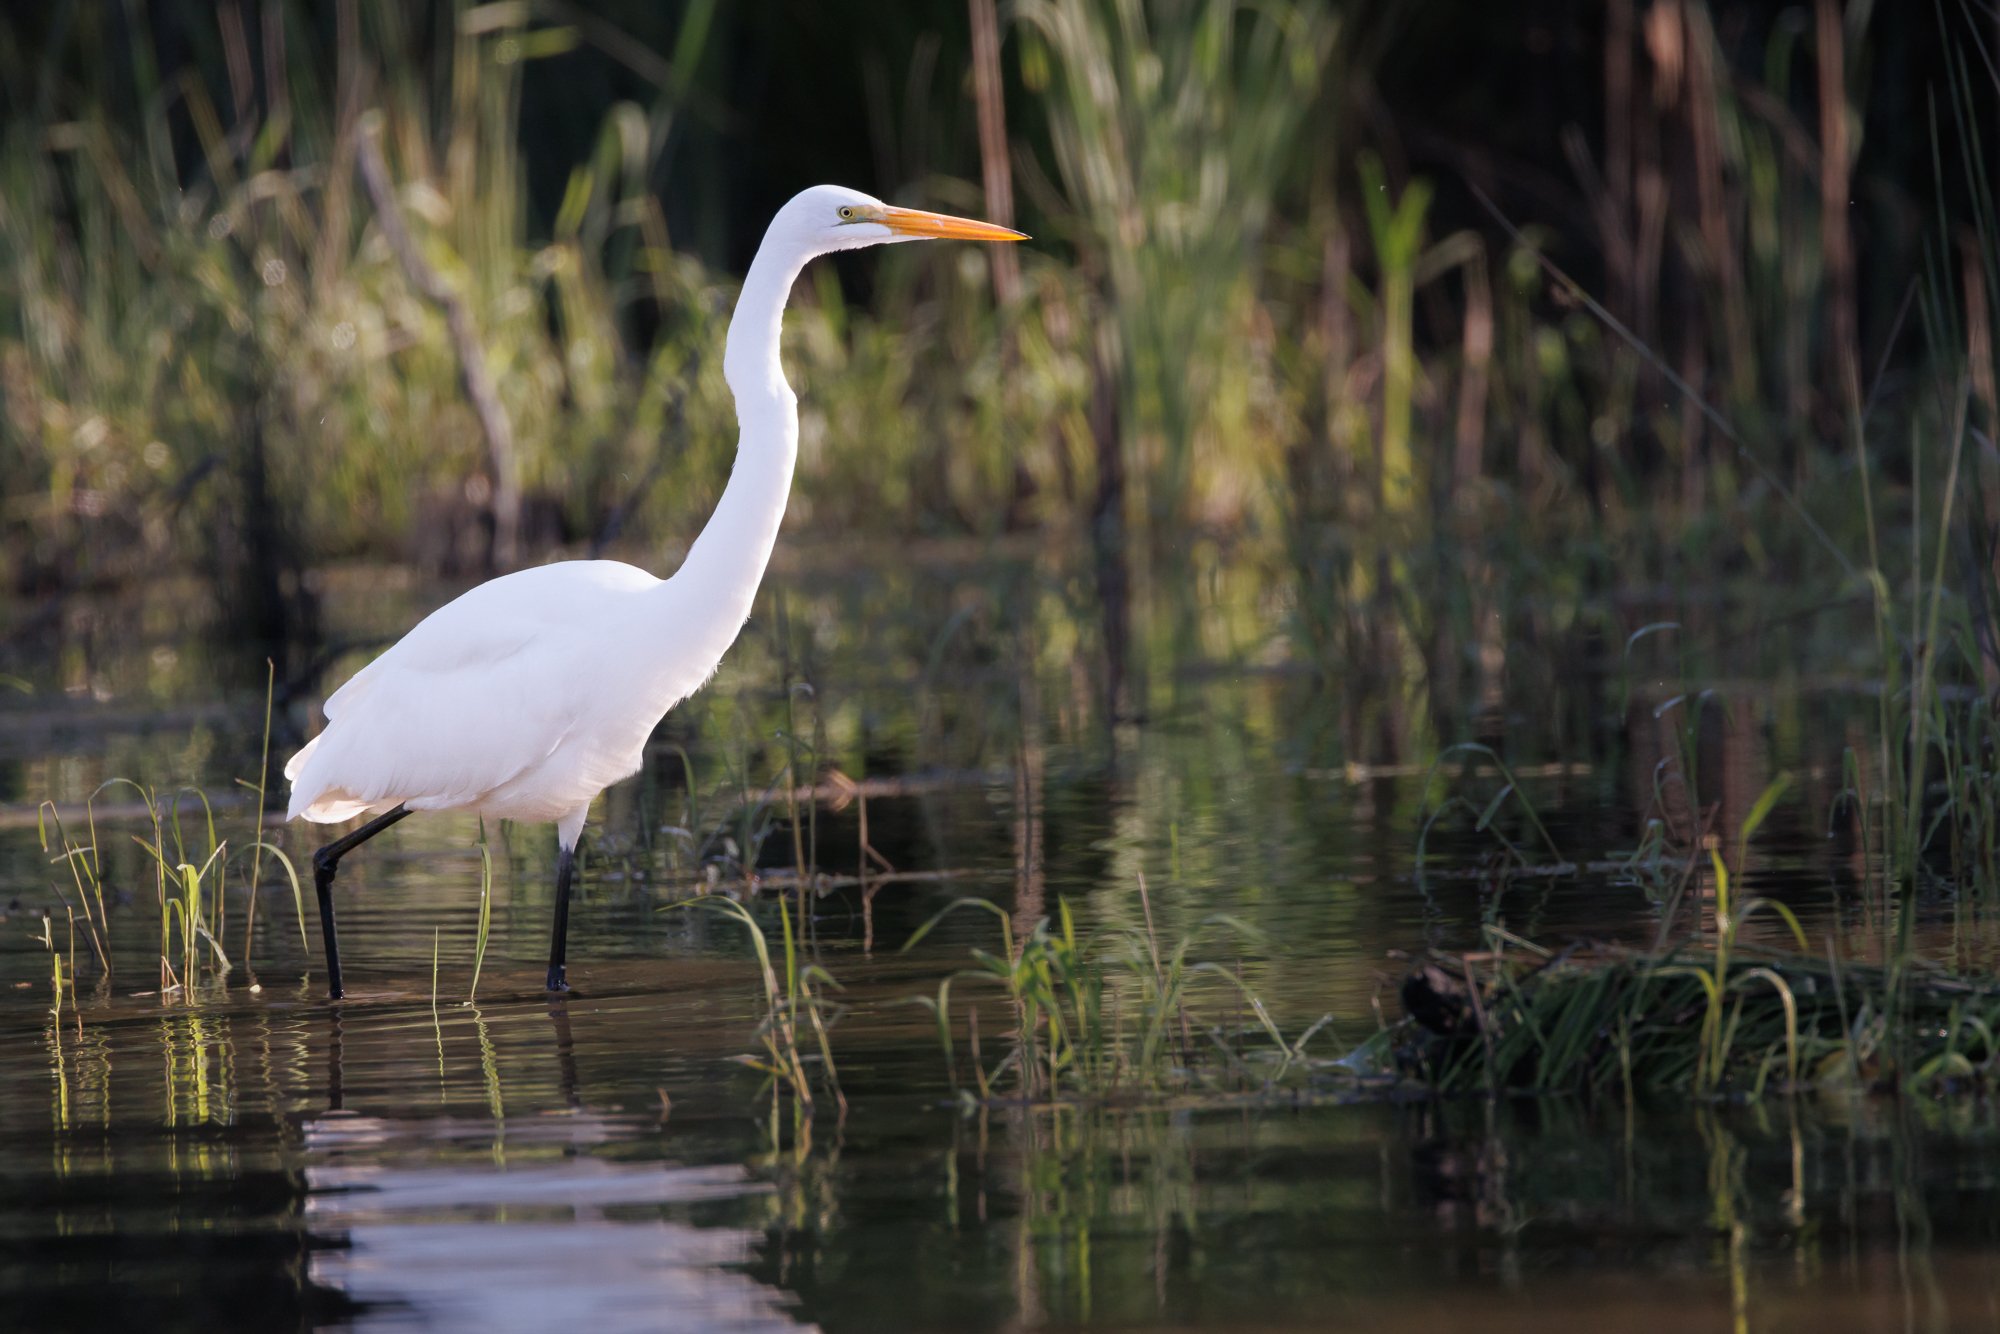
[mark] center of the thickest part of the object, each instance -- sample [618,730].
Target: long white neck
[718,580]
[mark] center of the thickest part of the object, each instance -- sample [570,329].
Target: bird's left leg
[559,940]
[326,863]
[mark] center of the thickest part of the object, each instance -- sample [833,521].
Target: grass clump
[1709,1015]
[797,1011]
[1694,1020]
[189,870]
[190,875]
[1110,1015]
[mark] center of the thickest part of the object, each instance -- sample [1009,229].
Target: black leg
[326,862]
[559,942]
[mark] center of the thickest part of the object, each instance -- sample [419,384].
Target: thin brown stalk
[474,376]
[1835,189]
[1705,91]
[1472,390]
[995,173]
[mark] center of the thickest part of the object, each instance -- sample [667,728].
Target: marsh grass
[799,1013]
[485,926]
[1173,126]
[1710,1016]
[1918,794]
[190,873]
[1109,1015]
[190,878]
[262,847]
[202,321]
[190,882]
[1729,1020]
[1367,378]
[1305,363]
[62,982]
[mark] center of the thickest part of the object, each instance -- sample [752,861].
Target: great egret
[527,696]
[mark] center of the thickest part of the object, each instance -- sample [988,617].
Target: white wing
[477,695]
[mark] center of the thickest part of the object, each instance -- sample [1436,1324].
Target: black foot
[557,981]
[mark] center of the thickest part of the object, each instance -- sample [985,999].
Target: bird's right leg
[559,938]
[326,862]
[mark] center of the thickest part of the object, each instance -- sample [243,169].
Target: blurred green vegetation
[1265,328]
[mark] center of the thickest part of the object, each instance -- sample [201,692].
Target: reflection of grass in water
[1116,1215]
[1070,1199]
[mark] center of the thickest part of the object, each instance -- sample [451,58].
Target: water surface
[251,1156]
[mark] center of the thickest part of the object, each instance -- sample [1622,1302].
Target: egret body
[525,697]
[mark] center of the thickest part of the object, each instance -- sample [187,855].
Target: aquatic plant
[1110,1014]
[189,892]
[1173,126]
[799,1013]
[190,877]
[1727,1019]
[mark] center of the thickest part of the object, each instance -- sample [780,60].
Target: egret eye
[847,213]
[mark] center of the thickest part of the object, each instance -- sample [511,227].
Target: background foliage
[1266,322]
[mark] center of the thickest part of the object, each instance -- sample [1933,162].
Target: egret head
[816,222]
[832,217]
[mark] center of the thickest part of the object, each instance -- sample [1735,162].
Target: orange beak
[942,226]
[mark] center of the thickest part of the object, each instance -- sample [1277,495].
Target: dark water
[248,1156]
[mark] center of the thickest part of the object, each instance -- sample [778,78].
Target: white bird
[527,696]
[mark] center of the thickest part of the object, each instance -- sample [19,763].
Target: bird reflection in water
[540,1232]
